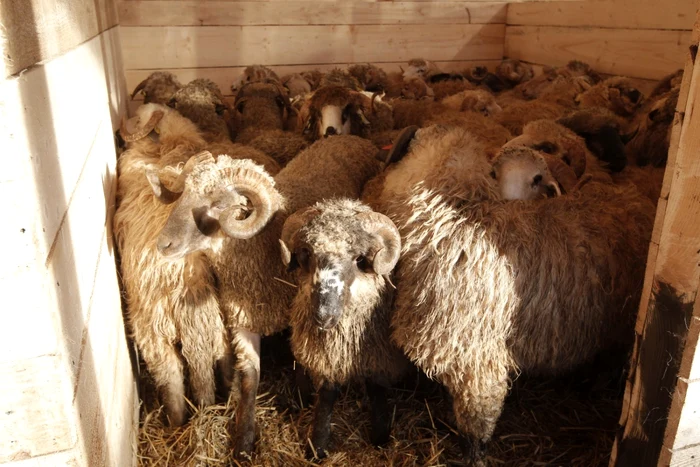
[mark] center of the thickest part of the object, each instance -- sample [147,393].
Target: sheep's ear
[608,146]
[401,144]
[288,258]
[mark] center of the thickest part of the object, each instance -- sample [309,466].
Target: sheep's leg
[225,372]
[247,345]
[321,433]
[200,354]
[380,416]
[164,364]
[304,385]
[477,404]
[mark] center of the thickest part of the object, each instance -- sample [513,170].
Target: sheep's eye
[346,113]
[493,174]
[363,263]
[653,115]
[546,147]
[537,180]
[566,159]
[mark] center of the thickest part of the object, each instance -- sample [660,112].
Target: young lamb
[158,87]
[343,253]
[234,212]
[162,297]
[264,111]
[252,74]
[489,287]
[336,110]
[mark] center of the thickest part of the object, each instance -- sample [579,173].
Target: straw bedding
[567,421]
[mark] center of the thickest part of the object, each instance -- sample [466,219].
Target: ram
[489,287]
[163,296]
[233,211]
[343,253]
[158,87]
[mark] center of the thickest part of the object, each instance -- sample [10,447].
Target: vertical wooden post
[660,421]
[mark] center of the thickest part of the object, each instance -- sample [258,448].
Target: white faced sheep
[252,74]
[344,253]
[234,212]
[263,111]
[489,287]
[158,87]
[335,110]
[163,297]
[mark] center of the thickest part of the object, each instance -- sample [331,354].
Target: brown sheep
[488,287]
[342,78]
[343,254]
[514,72]
[263,113]
[162,296]
[202,102]
[653,137]
[478,100]
[515,116]
[158,87]
[371,77]
[616,94]
[252,74]
[210,216]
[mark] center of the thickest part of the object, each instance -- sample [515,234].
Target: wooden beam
[35,31]
[224,46]
[224,76]
[649,54]
[674,14]
[655,408]
[224,13]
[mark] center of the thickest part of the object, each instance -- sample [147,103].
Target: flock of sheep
[471,225]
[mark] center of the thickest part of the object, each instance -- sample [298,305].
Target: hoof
[316,454]
[244,446]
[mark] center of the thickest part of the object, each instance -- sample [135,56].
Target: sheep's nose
[330,131]
[164,245]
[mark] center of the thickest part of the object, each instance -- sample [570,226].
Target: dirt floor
[559,422]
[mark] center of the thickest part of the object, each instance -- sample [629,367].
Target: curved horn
[156,116]
[564,174]
[291,228]
[138,88]
[257,188]
[387,256]
[166,195]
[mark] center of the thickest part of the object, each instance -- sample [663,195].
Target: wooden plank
[216,46]
[650,54]
[224,76]
[35,408]
[667,306]
[672,14]
[38,30]
[222,13]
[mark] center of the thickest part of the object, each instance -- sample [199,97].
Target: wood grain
[625,14]
[221,46]
[656,410]
[649,54]
[224,13]
[38,30]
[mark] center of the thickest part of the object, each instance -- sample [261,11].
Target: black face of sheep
[212,197]
[331,255]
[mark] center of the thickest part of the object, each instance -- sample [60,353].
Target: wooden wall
[640,39]
[216,39]
[68,394]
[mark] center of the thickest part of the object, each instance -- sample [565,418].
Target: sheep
[370,77]
[513,72]
[488,287]
[341,78]
[415,88]
[526,176]
[163,296]
[516,115]
[421,68]
[616,94]
[201,101]
[343,254]
[314,78]
[252,74]
[296,84]
[264,111]
[157,88]
[336,110]
[653,137]
[478,100]
[667,84]
[448,85]
[210,216]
